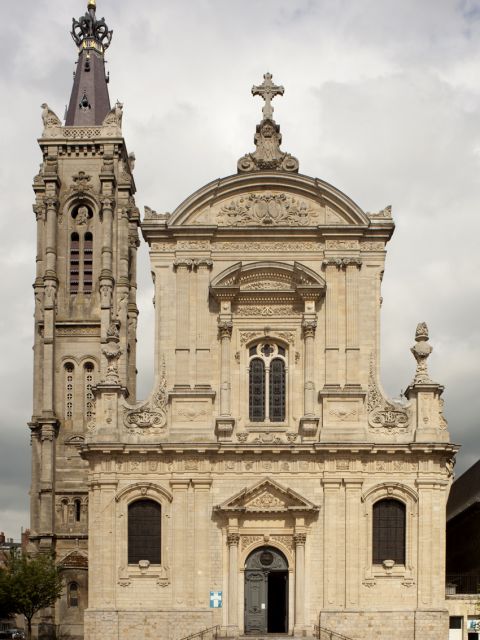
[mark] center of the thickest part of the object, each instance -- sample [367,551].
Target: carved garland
[151,417]
[383,416]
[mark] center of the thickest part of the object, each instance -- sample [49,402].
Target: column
[352,272]
[182,349]
[180,547]
[50,300]
[233,539]
[106,275]
[353,517]
[299,539]
[35,482]
[106,523]
[309,326]
[47,474]
[331,325]
[225,330]
[202,359]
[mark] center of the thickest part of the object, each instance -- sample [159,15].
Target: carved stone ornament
[113,119]
[150,214]
[268,156]
[384,416]
[150,417]
[112,352]
[88,27]
[267,209]
[81,184]
[384,213]
[421,351]
[51,122]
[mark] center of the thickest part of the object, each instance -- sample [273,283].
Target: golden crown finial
[92,4]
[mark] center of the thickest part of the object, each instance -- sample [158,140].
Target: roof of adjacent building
[465,491]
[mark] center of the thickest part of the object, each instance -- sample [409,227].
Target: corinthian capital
[225,328]
[309,327]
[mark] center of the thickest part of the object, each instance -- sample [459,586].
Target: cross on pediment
[267,90]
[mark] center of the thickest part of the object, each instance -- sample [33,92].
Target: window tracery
[267,382]
[88,382]
[69,390]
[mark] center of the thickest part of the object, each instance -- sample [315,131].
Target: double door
[266,601]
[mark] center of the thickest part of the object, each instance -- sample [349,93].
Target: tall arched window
[69,390]
[73,594]
[88,263]
[144,532]
[88,382]
[74,263]
[389,527]
[77,505]
[267,383]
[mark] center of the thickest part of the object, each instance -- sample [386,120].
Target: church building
[267,484]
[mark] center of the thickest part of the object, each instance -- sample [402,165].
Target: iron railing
[326,634]
[211,633]
[462,583]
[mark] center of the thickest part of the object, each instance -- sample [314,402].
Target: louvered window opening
[74,263]
[69,382]
[277,391]
[389,525]
[88,263]
[144,532]
[257,390]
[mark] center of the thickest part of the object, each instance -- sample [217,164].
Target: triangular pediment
[266,496]
[75,559]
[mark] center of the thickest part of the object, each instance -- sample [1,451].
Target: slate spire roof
[89,101]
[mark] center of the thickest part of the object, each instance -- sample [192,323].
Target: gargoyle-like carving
[51,122]
[384,416]
[266,209]
[150,417]
[113,119]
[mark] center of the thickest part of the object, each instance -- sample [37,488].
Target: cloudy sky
[382,99]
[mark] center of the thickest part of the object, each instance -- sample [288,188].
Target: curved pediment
[266,496]
[267,277]
[268,200]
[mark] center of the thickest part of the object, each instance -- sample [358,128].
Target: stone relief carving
[372,246]
[421,351]
[151,417]
[341,244]
[247,336]
[384,213]
[342,414]
[246,541]
[51,122]
[112,352]
[384,416]
[150,214]
[284,247]
[266,209]
[265,285]
[266,310]
[266,500]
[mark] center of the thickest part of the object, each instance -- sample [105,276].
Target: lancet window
[267,382]
[81,252]
[73,595]
[88,382]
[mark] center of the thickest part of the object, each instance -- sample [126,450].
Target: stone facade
[267,261]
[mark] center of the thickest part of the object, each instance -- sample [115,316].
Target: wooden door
[255,602]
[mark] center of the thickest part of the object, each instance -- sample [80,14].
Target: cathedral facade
[267,484]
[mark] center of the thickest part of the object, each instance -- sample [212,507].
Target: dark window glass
[455,622]
[277,391]
[74,262]
[88,263]
[389,531]
[257,390]
[73,594]
[78,510]
[144,532]
[253,350]
[281,351]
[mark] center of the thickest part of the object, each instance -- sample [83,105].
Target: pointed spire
[268,156]
[89,101]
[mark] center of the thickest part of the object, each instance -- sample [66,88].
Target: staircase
[219,633]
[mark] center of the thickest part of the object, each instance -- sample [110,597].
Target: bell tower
[85,292]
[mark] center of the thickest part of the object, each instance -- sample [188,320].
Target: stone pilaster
[203,338]
[309,422]
[183,267]
[201,573]
[181,553]
[299,539]
[47,481]
[233,539]
[225,421]
[333,523]
[106,275]
[331,323]
[352,347]
[353,501]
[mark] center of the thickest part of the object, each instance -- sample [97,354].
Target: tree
[28,585]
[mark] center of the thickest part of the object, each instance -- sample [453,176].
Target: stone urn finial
[421,350]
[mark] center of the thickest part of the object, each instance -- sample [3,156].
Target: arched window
[88,382]
[69,390]
[389,526]
[88,263]
[73,594]
[77,510]
[144,531]
[267,383]
[74,262]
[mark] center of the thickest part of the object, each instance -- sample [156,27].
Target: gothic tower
[85,293]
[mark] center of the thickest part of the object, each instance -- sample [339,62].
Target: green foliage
[29,584]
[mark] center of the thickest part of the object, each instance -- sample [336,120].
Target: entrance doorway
[266,592]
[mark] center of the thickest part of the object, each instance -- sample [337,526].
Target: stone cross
[267,90]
